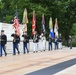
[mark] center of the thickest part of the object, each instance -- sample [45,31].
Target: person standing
[44,42]
[56,42]
[25,41]
[16,41]
[70,42]
[60,41]
[35,41]
[3,41]
[41,38]
[50,42]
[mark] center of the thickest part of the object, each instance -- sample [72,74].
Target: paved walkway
[26,64]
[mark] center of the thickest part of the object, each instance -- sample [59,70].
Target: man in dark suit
[25,41]
[16,41]
[3,41]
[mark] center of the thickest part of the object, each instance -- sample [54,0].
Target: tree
[64,10]
[73,31]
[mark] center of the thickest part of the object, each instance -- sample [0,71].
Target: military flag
[16,23]
[43,24]
[56,27]
[33,23]
[51,28]
[25,20]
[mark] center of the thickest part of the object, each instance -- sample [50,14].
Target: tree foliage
[64,10]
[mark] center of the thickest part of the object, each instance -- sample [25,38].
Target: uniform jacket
[16,38]
[26,38]
[3,39]
[35,38]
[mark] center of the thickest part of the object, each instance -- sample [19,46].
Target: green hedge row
[74,44]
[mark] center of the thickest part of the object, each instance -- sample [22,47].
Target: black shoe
[24,53]
[0,55]
[14,54]
[18,52]
[33,51]
[36,51]
[27,52]
[5,54]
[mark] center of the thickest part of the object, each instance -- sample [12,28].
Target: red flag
[33,23]
[16,23]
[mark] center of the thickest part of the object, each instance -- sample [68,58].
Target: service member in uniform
[16,41]
[50,42]
[70,42]
[35,41]
[3,41]
[25,41]
[60,41]
[56,42]
[43,42]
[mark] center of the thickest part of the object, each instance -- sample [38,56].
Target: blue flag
[51,28]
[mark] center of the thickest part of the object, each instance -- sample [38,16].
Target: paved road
[39,63]
[55,68]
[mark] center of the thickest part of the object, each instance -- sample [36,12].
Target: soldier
[56,42]
[41,39]
[16,41]
[43,42]
[60,41]
[50,42]
[25,41]
[70,42]
[3,41]
[35,41]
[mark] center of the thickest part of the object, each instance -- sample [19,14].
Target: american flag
[16,23]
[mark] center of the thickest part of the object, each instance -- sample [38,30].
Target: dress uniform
[56,42]
[35,41]
[3,41]
[60,41]
[50,42]
[43,42]
[25,41]
[70,42]
[16,41]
